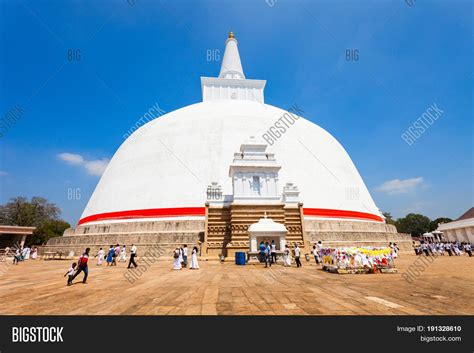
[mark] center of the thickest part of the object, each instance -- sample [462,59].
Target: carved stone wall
[169,234]
[334,233]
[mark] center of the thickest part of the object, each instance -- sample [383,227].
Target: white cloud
[96,167]
[71,158]
[93,167]
[400,186]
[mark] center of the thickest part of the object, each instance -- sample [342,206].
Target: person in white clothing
[287,255]
[319,246]
[194,259]
[315,254]
[395,250]
[123,254]
[457,252]
[26,253]
[177,258]
[70,274]
[273,252]
[297,255]
[100,256]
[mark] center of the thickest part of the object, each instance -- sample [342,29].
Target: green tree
[434,224]
[414,224]
[49,229]
[39,213]
[21,212]
[388,218]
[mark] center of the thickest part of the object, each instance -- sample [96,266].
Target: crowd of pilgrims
[22,253]
[180,258]
[115,254]
[343,258]
[118,253]
[454,248]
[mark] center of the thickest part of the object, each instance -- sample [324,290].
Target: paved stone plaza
[39,288]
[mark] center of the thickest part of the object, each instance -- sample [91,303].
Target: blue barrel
[240,258]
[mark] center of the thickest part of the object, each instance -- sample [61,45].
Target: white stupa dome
[163,169]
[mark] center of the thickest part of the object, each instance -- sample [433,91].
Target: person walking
[23,253]
[110,255]
[319,248]
[34,253]
[177,259]
[468,249]
[297,255]
[315,254]
[82,266]
[287,255]
[449,249]
[194,259]
[17,257]
[274,252]
[456,250]
[100,257]
[123,254]
[185,255]
[27,253]
[261,249]
[441,248]
[396,250]
[424,247]
[268,250]
[181,255]
[133,254]
[115,255]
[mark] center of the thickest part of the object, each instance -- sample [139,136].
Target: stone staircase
[227,227]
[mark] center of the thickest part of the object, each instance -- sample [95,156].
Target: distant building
[461,229]
[11,235]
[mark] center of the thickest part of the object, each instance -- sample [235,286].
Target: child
[70,273]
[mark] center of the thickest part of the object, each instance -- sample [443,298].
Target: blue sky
[136,54]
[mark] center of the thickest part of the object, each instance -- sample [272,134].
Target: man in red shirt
[82,266]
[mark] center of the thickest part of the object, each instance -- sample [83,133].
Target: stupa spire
[231,83]
[231,65]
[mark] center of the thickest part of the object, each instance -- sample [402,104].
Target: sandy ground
[38,287]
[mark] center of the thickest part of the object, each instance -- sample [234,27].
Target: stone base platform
[143,242]
[166,234]
[172,233]
[355,233]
